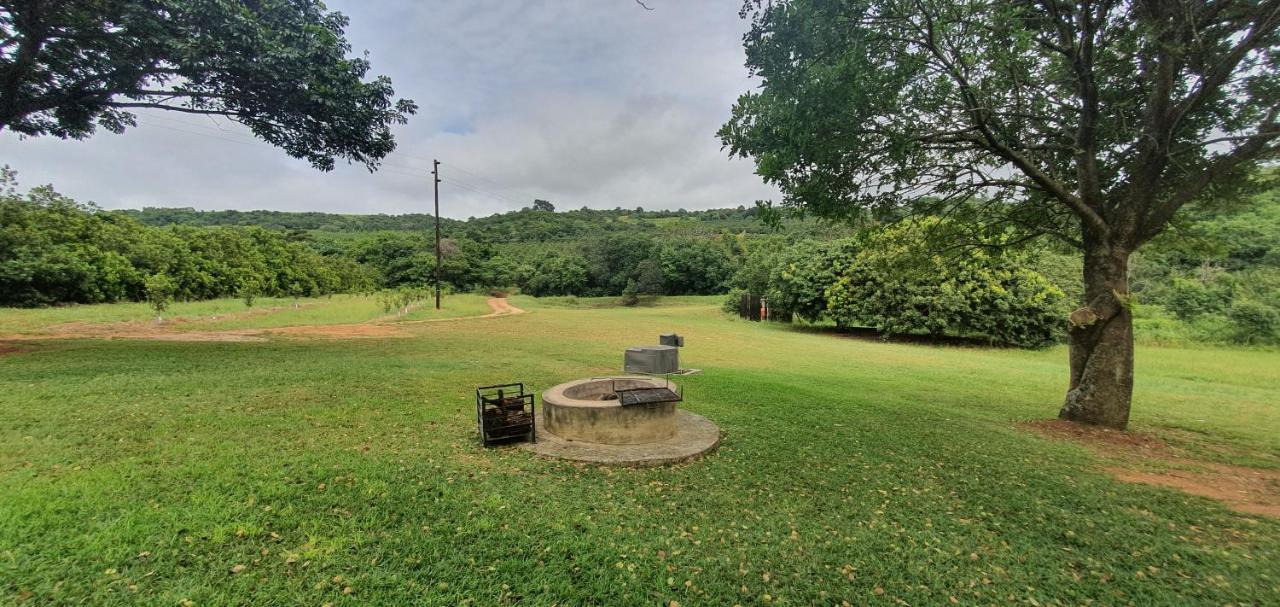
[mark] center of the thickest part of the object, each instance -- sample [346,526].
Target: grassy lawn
[231,314]
[296,471]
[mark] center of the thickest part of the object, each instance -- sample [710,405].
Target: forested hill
[525,225]
[280,220]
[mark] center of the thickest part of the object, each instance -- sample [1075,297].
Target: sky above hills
[596,103]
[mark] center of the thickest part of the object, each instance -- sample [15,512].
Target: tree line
[608,264]
[54,250]
[1217,279]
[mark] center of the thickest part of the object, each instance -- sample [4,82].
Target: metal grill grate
[647,396]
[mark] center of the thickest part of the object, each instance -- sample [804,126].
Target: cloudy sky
[595,103]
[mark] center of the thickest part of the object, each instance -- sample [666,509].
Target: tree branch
[173,108]
[1252,148]
[994,145]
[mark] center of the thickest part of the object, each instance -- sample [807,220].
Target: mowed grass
[346,472]
[231,314]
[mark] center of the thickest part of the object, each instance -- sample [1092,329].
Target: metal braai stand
[649,396]
[505,412]
[661,360]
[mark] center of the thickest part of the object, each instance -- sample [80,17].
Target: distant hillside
[525,225]
[281,220]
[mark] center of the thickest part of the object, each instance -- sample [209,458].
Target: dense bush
[889,281]
[1188,298]
[54,250]
[694,267]
[897,286]
[804,274]
[1219,276]
[1253,322]
[556,275]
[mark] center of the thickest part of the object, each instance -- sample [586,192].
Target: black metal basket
[505,412]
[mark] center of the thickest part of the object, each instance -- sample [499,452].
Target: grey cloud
[588,102]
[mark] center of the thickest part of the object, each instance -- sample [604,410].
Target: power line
[499,185]
[493,195]
[475,186]
[211,135]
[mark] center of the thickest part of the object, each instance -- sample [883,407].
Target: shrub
[733,302]
[804,274]
[1253,322]
[895,286]
[160,289]
[1153,324]
[630,294]
[248,293]
[1188,299]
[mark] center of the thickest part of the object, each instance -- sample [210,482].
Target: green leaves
[54,250]
[1109,113]
[160,289]
[278,66]
[896,285]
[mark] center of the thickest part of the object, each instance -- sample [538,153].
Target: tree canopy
[1108,113]
[281,67]
[1095,121]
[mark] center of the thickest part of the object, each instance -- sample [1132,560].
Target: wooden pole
[435,173]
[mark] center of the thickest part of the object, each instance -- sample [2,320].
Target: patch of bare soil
[8,349]
[339,331]
[1138,457]
[194,336]
[157,334]
[168,331]
[500,306]
[133,330]
[1250,490]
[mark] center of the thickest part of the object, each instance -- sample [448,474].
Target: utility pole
[435,174]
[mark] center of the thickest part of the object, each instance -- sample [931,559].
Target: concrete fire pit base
[694,436]
[589,411]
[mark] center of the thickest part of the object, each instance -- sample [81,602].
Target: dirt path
[376,328]
[501,306]
[1137,457]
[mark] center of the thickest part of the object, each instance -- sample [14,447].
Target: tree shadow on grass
[870,334]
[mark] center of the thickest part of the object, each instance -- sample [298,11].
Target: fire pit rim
[557,394]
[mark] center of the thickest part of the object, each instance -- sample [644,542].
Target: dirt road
[382,327]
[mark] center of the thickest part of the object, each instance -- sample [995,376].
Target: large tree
[280,67]
[1095,121]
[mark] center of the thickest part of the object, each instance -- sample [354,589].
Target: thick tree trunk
[1101,338]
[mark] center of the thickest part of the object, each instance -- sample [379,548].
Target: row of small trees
[402,300]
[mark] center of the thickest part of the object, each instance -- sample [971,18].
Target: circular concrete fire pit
[590,410]
[586,420]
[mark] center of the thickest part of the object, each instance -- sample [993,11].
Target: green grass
[231,314]
[452,306]
[36,319]
[143,472]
